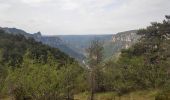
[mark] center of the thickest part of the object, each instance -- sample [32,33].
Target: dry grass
[138,95]
[7,98]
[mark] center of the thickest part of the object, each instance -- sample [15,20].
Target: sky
[68,17]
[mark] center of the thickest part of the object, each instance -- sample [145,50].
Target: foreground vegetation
[136,95]
[143,66]
[30,70]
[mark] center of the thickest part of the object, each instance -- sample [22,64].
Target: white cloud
[34,1]
[81,16]
[4,6]
[69,5]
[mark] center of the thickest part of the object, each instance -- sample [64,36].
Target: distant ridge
[76,45]
[51,41]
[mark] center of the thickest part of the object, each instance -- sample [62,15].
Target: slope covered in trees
[31,70]
[53,41]
[145,65]
[13,48]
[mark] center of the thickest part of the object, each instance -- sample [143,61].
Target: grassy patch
[137,95]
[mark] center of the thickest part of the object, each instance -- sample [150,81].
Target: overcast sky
[53,17]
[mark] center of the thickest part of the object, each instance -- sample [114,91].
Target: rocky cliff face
[128,38]
[122,40]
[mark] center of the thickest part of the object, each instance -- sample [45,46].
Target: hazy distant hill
[55,41]
[112,43]
[80,43]
[51,41]
[16,31]
[14,48]
[76,45]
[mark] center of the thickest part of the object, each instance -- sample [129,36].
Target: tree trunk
[92,88]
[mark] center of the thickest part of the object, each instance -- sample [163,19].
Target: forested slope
[145,65]
[53,41]
[32,70]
